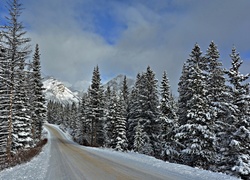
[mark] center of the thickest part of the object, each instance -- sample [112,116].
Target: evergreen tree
[111,121]
[50,107]
[22,137]
[87,122]
[73,117]
[125,98]
[83,133]
[219,104]
[150,113]
[185,94]
[125,91]
[108,99]
[30,86]
[78,132]
[107,111]
[238,158]
[96,105]
[196,133]
[4,101]
[121,141]
[168,120]
[143,107]
[134,112]
[39,101]
[216,79]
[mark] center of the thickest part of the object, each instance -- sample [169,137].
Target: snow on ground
[36,169]
[140,160]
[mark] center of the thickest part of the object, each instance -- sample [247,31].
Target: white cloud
[159,33]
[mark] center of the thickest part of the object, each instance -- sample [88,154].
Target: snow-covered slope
[56,91]
[116,83]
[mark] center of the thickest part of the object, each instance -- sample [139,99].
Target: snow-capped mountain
[56,91]
[116,83]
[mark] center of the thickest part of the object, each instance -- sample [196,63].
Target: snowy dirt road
[62,159]
[70,161]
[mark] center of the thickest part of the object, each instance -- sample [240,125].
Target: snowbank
[36,169]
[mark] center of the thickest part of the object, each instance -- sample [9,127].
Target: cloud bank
[127,36]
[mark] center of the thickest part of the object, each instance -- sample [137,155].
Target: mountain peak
[117,82]
[56,91]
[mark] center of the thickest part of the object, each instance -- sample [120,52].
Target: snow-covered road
[63,159]
[70,161]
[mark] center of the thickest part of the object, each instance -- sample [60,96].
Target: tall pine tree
[96,106]
[195,134]
[143,107]
[39,101]
[238,158]
[4,101]
[168,120]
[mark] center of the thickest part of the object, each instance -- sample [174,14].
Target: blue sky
[125,36]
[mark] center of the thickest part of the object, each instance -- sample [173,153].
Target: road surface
[70,161]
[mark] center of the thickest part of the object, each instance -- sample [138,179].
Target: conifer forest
[22,103]
[206,126]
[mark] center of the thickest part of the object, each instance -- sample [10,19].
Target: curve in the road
[71,162]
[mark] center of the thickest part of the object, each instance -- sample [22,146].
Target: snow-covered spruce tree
[73,118]
[185,94]
[87,122]
[121,142]
[134,111]
[143,107]
[107,105]
[54,110]
[125,92]
[96,106]
[116,124]
[50,107]
[166,104]
[111,119]
[216,80]
[168,120]
[77,132]
[78,135]
[4,102]
[30,86]
[135,114]
[18,48]
[196,134]
[125,98]
[39,101]
[107,99]
[22,137]
[218,102]
[66,116]
[238,156]
[150,114]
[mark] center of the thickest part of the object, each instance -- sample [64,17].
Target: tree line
[207,127]
[22,103]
